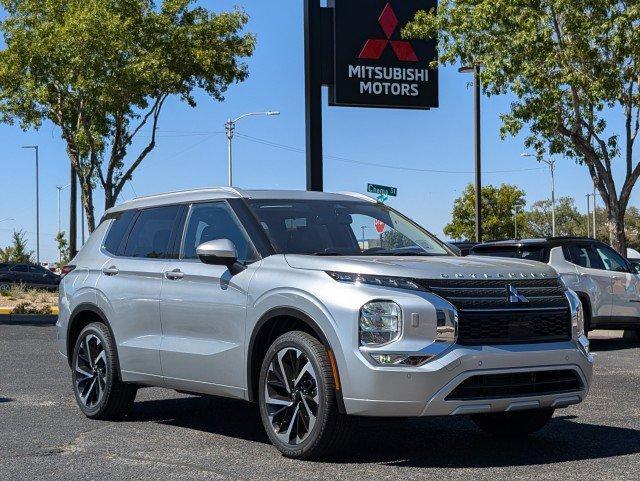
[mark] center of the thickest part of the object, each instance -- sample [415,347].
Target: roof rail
[359,196]
[231,190]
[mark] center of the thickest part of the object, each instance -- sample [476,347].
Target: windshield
[326,227]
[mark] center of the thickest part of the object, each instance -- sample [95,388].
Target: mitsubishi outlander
[294,301]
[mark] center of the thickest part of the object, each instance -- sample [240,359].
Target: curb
[8,311]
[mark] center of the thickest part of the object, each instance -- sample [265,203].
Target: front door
[203,308]
[624,285]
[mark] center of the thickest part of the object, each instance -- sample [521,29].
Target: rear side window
[118,229]
[152,234]
[539,254]
[585,256]
[20,269]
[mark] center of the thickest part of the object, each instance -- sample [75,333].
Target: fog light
[400,359]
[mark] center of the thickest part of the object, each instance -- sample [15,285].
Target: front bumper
[421,391]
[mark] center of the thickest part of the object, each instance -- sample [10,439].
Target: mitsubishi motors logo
[373,65]
[374,48]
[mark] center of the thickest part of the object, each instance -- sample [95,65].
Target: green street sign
[382,190]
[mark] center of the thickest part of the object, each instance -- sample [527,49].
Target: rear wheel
[513,424]
[297,398]
[98,391]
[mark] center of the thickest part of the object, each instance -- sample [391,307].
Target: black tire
[513,424]
[331,429]
[109,398]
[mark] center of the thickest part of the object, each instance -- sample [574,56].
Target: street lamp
[515,220]
[552,169]
[60,189]
[230,127]
[475,70]
[35,147]
[364,227]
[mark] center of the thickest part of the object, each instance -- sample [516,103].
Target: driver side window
[214,221]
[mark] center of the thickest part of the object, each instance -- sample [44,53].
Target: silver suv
[294,300]
[608,284]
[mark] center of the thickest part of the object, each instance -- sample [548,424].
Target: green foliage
[63,249]
[392,239]
[569,222]
[17,251]
[498,204]
[101,70]
[570,64]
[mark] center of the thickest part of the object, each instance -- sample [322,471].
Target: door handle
[174,275]
[110,271]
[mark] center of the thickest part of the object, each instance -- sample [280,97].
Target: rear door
[596,279]
[131,280]
[204,307]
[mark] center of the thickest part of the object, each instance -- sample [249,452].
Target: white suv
[607,284]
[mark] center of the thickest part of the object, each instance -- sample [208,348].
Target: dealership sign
[373,65]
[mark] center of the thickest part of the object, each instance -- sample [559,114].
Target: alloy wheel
[291,395]
[90,371]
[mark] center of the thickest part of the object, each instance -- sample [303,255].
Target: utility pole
[515,220]
[364,227]
[588,214]
[230,129]
[35,147]
[595,231]
[60,189]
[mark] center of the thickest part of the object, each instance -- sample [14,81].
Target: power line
[375,164]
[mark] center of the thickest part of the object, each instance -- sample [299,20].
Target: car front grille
[486,314]
[521,384]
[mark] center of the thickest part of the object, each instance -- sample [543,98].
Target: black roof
[540,242]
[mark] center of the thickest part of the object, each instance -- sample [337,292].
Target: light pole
[515,220]
[364,227]
[230,127]
[552,169]
[588,196]
[35,147]
[595,232]
[475,69]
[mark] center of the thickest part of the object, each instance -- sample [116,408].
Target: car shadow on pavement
[445,442]
[601,345]
[5,400]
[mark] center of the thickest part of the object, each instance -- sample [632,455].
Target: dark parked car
[464,247]
[29,275]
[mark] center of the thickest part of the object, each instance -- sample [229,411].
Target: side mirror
[219,252]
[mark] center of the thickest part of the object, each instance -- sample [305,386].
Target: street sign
[380,226]
[382,190]
[373,65]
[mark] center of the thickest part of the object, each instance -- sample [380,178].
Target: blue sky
[191,151]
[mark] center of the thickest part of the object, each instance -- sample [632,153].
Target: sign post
[355,47]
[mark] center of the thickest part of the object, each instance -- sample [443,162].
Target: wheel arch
[83,315]
[588,310]
[272,324]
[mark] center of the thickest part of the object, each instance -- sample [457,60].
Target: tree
[569,222]
[101,71]
[498,207]
[63,249]
[17,251]
[571,64]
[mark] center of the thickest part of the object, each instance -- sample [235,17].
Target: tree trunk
[87,203]
[615,221]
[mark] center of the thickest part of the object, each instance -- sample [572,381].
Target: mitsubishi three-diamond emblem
[374,48]
[514,296]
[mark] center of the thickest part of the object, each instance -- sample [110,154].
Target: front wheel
[513,424]
[297,398]
[98,391]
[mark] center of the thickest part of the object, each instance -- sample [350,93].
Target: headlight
[380,323]
[385,281]
[577,313]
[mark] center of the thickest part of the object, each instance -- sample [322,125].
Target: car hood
[436,267]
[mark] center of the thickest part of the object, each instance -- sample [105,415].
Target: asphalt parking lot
[171,436]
